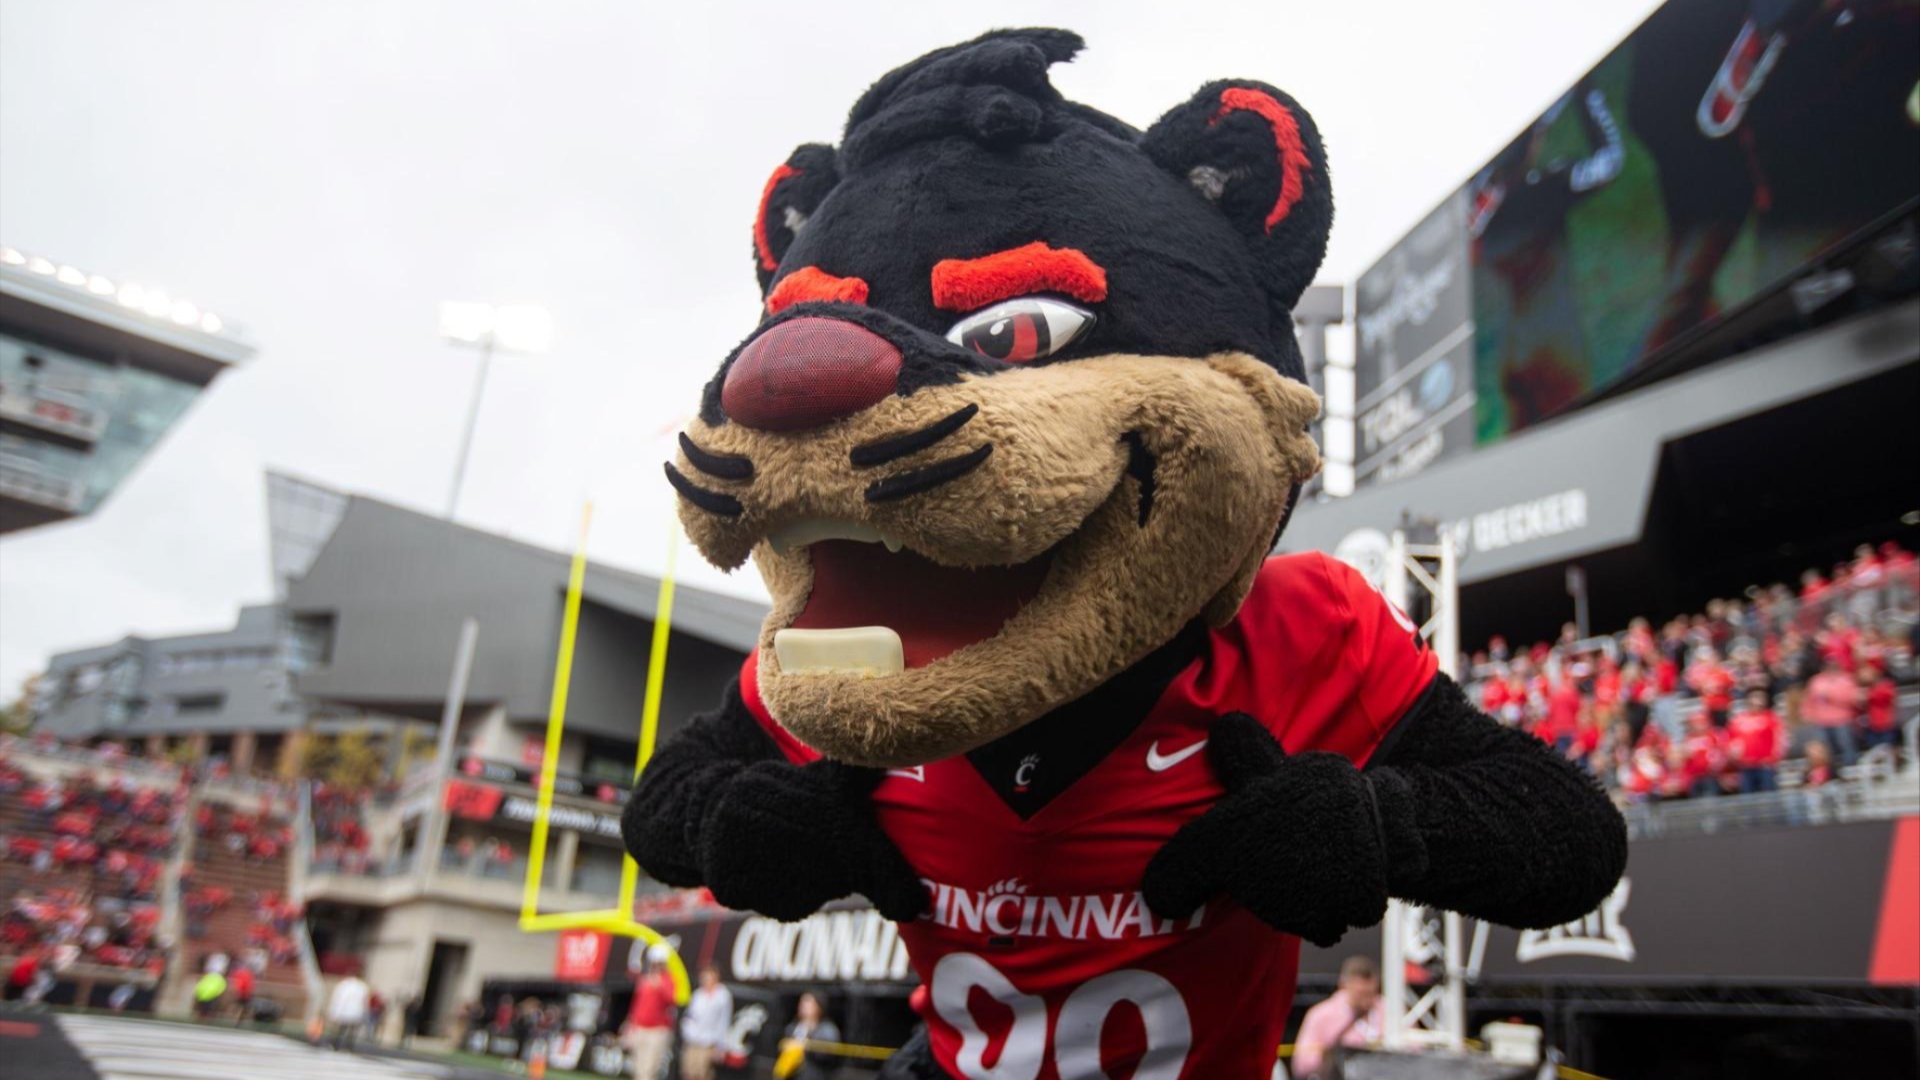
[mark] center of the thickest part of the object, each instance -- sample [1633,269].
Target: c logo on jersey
[1023,776]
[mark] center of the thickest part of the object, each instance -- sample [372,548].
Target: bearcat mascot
[1011,443]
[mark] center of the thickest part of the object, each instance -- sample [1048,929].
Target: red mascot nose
[806,372]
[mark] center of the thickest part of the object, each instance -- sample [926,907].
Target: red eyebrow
[813,283]
[967,284]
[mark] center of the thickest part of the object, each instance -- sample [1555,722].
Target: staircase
[228,929]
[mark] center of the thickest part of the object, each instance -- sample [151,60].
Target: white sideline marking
[127,1049]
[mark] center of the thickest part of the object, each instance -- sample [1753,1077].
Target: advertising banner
[581,955]
[1716,155]
[481,802]
[1836,904]
[1413,355]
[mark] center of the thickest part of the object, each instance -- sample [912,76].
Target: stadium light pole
[513,328]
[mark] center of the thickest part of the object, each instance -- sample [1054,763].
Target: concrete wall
[254,694]
[397,961]
[398,584]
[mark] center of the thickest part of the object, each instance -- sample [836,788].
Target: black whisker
[881,451]
[1141,465]
[724,466]
[713,502]
[914,481]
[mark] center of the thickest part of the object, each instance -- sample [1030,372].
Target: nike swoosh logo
[1161,763]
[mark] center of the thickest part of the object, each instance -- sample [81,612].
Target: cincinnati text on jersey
[1005,909]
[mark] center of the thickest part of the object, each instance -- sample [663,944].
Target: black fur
[970,150]
[1509,829]
[1294,840]
[815,174]
[1457,811]
[914,1061]
[718,806]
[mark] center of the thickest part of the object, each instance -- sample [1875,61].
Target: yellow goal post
[617,920]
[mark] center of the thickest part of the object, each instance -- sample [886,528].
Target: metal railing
[297,872]
[1882,784]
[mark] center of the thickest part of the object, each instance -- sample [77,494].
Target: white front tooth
[893,542]
[806,531]
[851,650]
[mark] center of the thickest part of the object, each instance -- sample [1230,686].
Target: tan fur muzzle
[1223,439]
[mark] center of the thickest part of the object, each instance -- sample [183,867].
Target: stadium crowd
[1715,702]
[82,864]
[340,838]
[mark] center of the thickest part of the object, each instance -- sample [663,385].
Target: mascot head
[1024,399]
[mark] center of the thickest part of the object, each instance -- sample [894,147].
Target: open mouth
[877,609]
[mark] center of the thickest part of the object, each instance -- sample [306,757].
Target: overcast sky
[324,174]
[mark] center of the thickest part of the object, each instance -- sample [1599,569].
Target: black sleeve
[1489,821]
[680,783]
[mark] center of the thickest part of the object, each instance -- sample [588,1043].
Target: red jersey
[652,1001]
[1880,701]
[1563,711]
[1044,915]
[1756,737]
[1493,696]
[1706,753]
[1714,684]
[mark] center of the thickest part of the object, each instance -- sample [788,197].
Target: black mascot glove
[784,839]
[1297,840]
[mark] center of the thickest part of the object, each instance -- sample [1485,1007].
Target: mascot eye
[1016,331]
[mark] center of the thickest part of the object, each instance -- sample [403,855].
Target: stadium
[1624,425]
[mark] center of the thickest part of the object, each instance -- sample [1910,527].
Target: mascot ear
[1254,153]
[793,193]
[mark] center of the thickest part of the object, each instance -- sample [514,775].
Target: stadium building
[421,887]
[225,696]
[413,872]
[92,373]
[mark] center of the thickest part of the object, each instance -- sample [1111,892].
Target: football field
[118,1048]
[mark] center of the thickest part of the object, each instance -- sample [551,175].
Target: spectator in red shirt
[20,980]
[1704,756]
[1493,695]
[242,986]
[1756,738]
[1832,704]
[1710,679]
[1562,726]
[1644,777]
[1839,641]
[1879,693]
[1819,765]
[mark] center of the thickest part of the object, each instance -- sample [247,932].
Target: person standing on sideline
[703,1028]
[242,986]
[798,1056]
[207,992]
[347,1010]
[1352,1016]
[648,1034]
[409,1019]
